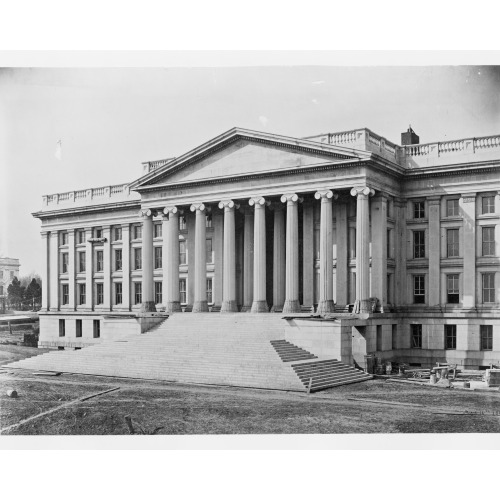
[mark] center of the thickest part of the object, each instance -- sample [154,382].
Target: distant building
[9,268]
[407,237]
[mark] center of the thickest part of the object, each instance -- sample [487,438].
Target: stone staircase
[290,352]
[323,374]
[204,348]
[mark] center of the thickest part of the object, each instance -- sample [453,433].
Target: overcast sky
[110,120]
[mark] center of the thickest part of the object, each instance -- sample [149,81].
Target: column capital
[228,204]
[197,206]
[145,213]
[45,234]
[258,200]
[362,191]
[291,197]
[170,210]
[326,194]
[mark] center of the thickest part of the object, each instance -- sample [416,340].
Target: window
[158,230]
[82,260]
[182,223]
[80,236]
[452,209]
[488,287]
[97,232]
[65,261]
[418,244]
[389,244]
[65,294]
[117,234]
[137,258]
[419,289]
[158,257]
[182,291]
[394,336]
[97,328]
[488,205]
[389,289]
[137,232]
[486,334]
[118,293]
[158,292]
[137,293]
[208,249]
[488,240]
[452,289]
[182,252]
[418,210]
[379,337]
[99,295]
[62,328]
[64,238]
[99,263]
[416,336]
[78,327]
[452,247]
[81,294]
[118,259]
[208,220]
[209,290]
[450,336]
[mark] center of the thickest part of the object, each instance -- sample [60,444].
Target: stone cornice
[110,207]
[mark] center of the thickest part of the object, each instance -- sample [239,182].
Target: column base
[172,307]
[291,306]
[259,306]
[148,306]
[200,306]
[325,307]
[246,308]
[229,306]
[278,308]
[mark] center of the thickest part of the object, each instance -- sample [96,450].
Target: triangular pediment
[241,154]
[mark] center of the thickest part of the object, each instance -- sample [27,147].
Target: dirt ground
[52,405]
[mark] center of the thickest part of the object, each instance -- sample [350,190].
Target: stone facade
[405,237]
[9,269]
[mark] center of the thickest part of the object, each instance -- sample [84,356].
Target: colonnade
[286,241]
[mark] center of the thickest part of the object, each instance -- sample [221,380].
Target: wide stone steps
[323,374]
[204,348]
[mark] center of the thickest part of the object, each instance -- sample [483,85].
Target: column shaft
[89,271]
[325,304]
[106,232]
[54,271]
[292,303]
[259,304]
[71,269]
[200,260]
[45,271]
[279,259]
[379,250]
[308,254]
[170,231]
[229,276]
[148,301]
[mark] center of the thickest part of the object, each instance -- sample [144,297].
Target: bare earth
[166,408]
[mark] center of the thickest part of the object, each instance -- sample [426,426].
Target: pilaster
[468,208]
[126,297]
[434,203]
[45,271]
[71,269]
[106,233]
[54,271]
[89,270]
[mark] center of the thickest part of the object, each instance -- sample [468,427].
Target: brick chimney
[409,137]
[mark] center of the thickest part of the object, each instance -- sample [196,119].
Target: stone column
[468,206]
[45,271]
[342,274]
[126,299]
[259,304]
[229,274]
[54,271]
[292,303]
[170,231]
[279,252]
[71,269]
[106,233]
[148,298]
[434,250]
[379,249]
[325,304]
[89,270]
[248,259]
[362,248]
[200,259]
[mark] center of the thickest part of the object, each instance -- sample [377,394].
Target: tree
[15,293]
[33,294]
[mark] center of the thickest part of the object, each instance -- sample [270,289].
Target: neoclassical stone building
[405,238]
